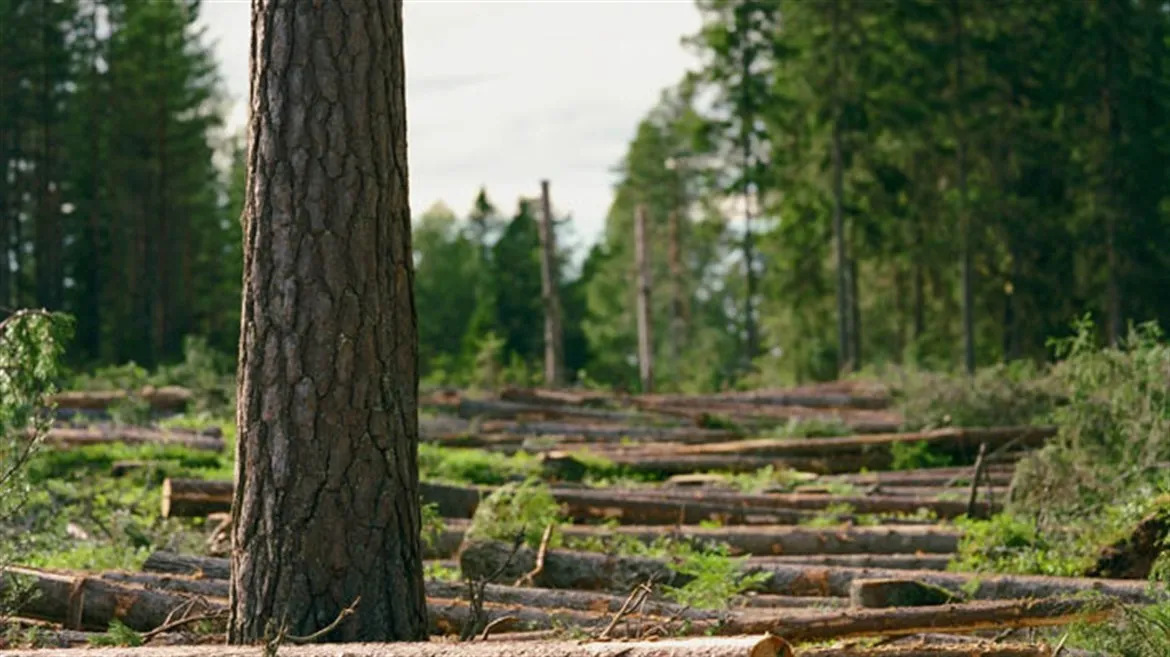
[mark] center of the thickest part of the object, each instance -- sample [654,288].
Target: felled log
[554,397]
[882,504]
[765,646]
[790,539]
[748,416]
[889,561]
[923,649]
[186,584]
[196,497]
[486,409]
[163,561]
[591,571]
[1000,473]
[186,498]
[877,446]
[525,596]
[806,397]
[808,626]
[89,603]
[70,437]
[878,593]
[166,398]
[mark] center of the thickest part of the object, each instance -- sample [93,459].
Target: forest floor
[824,515]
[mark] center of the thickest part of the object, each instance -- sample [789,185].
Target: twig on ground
[639,593]
[167,627]
[345,613]
[477,588]
[530,577]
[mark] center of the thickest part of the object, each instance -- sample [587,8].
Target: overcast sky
[504,93]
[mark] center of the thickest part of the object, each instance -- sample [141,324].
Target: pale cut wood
[756,646]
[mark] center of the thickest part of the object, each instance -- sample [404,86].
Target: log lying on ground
[1001,475]
[878,445]
[806,397]
[485,409]
[749,416]
[197,497]
[808,626]
[553,397]
[166,398]
[202,586]
[760,646]
[682,506]
[526,596]
[885,504]
[878,593]
[666,460]
[888,561]
[162,561]
[89,603]
[968,649]
[787,539]
[67,437]
[590,571]
[187,498]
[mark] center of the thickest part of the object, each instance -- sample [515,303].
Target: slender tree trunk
[678,312]
[645,331]
[844,340]
[965,231]
[854,315]
[326,505]
[554,375]
[747,121]
[1108,206]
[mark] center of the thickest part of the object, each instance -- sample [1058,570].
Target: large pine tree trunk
[326,509]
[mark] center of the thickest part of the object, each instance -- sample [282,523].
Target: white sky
[504,93]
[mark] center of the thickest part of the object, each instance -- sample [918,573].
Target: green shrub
[1013,394]
[473,466]
[527,507]
[31,344]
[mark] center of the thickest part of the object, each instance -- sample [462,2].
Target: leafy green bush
[912,456]
[473,466]
[527,507]
[717,577]
[31,344]
[1013,394]
[1114,431]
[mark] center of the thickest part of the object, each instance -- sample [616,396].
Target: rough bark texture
[162,561]
[327,509]
[707,647]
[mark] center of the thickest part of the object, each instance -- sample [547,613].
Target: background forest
[841,185]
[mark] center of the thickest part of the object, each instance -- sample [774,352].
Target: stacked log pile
[854,551]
